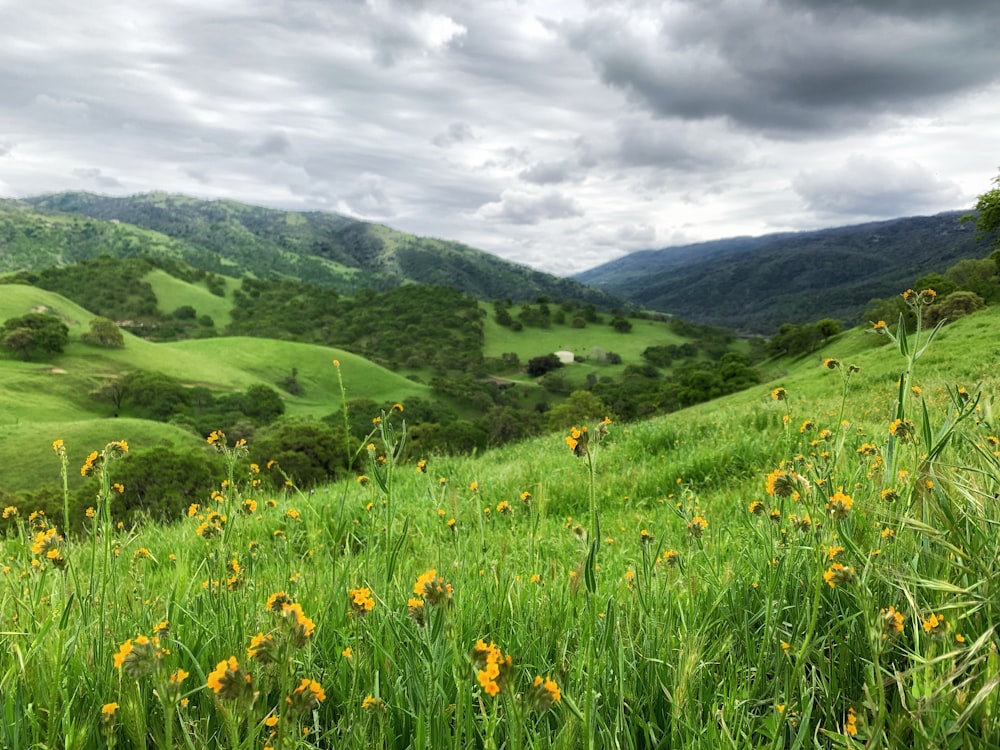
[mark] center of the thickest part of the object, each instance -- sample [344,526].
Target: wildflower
[671,557]
[889,495]
[118,487]
[959,638]
[208,530]
[59,446]
[176,678]
[838,575]
[779,394]
[193,509]
[371,704]
[802,524]
[832,552]
[116,449]
[645,537]
[216,438]
[935,624]
[228,680]
[276,602]
[577,441]
[880,327]
[137,658]
[697,526]
[851,725]
[544,692]
[362,479]
[262,648]
[415,609]
[161,627]
[892,622]
[493,667]
[361,601]
[840,504]
[293,515]
[867,449]
[756,508]
[505,508]
[831,364]
[10,512]
[452,524]
[422,465]
[902,429]
[433,588]
[775,515]
[307,696]
[90,465]
[46,541]
[526,497]
[141,552]
[781,483]
[630,578]
[108,710]
[302,627]
[807,426]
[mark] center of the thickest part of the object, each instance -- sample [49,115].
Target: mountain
[755,284]
[321,248]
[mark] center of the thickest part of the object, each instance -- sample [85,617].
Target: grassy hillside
[55,395]
[172,293]
[754,572]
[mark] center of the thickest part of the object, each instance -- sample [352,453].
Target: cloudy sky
[557,134]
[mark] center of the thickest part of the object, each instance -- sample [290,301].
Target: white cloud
[516,126]
[873,186]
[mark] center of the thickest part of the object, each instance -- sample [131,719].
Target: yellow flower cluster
[228,681]
[493,668]
[361,601]
[433,588]
[544,692]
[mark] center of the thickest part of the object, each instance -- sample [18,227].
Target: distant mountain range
[236,239]
[755,284]
[749,284]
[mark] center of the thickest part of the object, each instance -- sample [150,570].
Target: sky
[559,134]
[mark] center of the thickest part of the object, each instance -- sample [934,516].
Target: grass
[583,342]
[172,293]
[54,396]
[751,584]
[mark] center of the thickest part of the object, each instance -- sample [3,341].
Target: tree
[104,333]
[578,408]
[262,403]
[34,335]
[621,325]
[956,305]
[988,212]
[540,365]
[309,452]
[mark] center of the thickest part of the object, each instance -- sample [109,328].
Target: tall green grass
[773,570]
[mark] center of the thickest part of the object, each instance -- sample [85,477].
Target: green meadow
[56,396]
[808,563]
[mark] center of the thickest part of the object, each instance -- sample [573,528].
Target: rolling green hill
[55,396]
[317,247]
